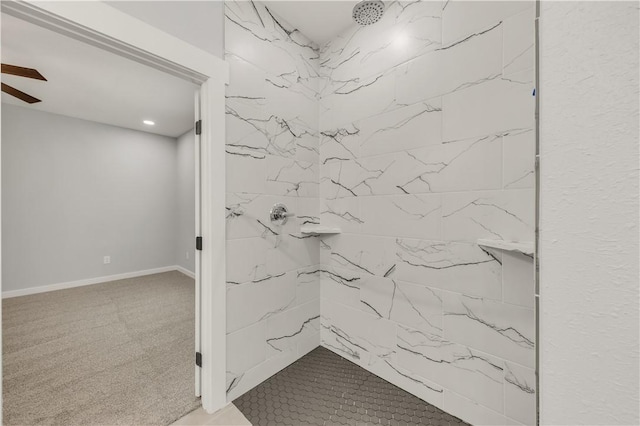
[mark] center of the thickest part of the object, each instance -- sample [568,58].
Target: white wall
[200,23]
[74,191]
[185,201]
[589,213]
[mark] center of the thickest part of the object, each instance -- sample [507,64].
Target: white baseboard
[91,281]
[186,272]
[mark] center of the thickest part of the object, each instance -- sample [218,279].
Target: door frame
[98,24]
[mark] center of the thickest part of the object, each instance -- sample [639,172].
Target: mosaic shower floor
[323,388]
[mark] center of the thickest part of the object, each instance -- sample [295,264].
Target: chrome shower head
[368,12]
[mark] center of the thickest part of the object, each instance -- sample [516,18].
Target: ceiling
[92,84]
[318,20]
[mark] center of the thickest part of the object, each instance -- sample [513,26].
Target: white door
[198,253]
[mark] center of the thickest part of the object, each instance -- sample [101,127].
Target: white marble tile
[285,137]
[308,146]
[405,31]
[377,295]
[308,284]
[339,143]
[419,307]
[246,171]
[307,212]
[463,19]
[520,393]
[326,188]
[293,102]
[246,348]
[252,302]
[420,79]
[518,159]
[518,279]
[470,411]
[291,252]
[247,215]
[263,126]
[454,66]
[414,126]
[341,285]
[518,31]
[496,105]
[362,254]
[459,267]
[347,178]
[246,260]
[286,330]
[245,121]
[343,213]
[415,216]
[355,334]
[470,164]
[291,177]
[246,81]
[308,344]
[500,329]
[240,384]
[259,37]
[407,380]
[470,61]
[351,100]
[325,249]
[471,373]
[408,304]
[407,151]
[242,212]
[505,215]
[355,177]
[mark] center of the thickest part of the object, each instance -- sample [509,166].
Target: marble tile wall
[426,145]
[415,137]
[273,293]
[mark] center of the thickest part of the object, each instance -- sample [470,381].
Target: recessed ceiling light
[149,122]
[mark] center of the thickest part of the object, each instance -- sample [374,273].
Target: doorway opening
[209,76]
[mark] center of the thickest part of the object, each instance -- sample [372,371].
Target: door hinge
[198,243]
[198,359]
[199,127]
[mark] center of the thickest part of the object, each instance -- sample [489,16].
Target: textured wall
[589,213]
[186,201]
[273,301]
[427,145]
[74,191]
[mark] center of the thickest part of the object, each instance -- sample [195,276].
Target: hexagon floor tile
[323,388]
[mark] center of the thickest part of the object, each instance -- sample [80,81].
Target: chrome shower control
[279,214]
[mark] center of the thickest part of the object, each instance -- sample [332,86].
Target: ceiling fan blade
[18,94]
[22,72]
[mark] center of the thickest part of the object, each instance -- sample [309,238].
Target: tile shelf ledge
[319,230]
[525,247]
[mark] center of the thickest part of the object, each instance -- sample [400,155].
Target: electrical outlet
[186,255]
[107,260]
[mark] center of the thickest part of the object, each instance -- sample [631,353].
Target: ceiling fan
[21,72]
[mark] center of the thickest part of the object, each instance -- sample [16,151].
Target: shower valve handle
[279,214]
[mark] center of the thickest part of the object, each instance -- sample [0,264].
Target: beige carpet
[106,354]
